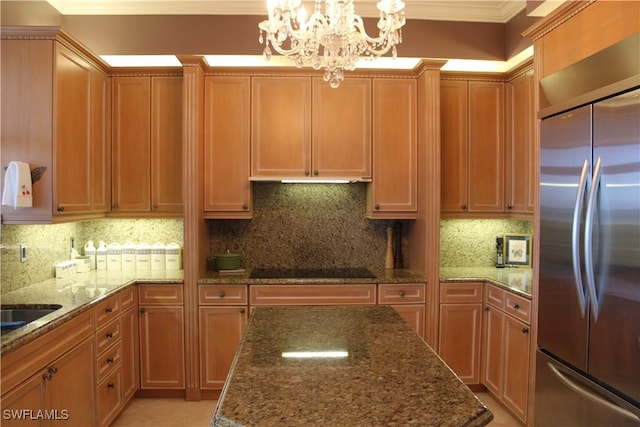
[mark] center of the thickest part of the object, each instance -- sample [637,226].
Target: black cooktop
[311,273]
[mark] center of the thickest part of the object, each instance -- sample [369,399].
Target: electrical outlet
[23,252]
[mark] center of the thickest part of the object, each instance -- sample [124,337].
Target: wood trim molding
[559,16]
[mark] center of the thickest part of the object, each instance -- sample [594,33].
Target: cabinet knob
[111,385]
[114,207]
[110,360]
[222,294]
[525,330]
[306,173]
[109,334]
[154,206]
[401,294]
[60,208]
[509,207]
[315,173]
[242,310]
[464,207]
[53,370]
[142,310]
[47,376]
[376,207]
[516,306]
[486,308]
[108,310]
[245,206]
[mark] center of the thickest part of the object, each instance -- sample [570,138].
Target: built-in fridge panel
[565,159]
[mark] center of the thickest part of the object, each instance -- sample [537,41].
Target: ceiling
[498,11]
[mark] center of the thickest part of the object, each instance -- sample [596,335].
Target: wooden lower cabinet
[52,377]
[161,334]
[408,300]
[460,332]
[506,343]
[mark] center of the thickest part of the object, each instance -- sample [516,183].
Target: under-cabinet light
[315,181]
[336,354]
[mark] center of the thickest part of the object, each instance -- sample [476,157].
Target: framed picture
[517,250]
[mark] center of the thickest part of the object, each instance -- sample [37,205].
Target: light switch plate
[23,252]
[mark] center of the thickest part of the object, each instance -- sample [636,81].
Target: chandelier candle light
[335,40]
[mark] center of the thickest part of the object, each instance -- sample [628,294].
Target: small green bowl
[227,261]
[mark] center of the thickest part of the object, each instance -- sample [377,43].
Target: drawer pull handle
[516,306]
[525,330]
[108,310]
[111,385]
[109,334]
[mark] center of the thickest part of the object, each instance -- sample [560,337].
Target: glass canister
[114,256]
[173,258]
[128,257]
[158,253]
[143,257]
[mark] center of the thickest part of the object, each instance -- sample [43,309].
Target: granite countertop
[75,294]
[516,280]
[382,276]
[389,377]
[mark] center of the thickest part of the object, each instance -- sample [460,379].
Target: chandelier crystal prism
[334,40]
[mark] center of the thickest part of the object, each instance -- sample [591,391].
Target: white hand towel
[17,186]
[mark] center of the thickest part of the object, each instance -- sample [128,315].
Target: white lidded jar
[143,257]
[90,251]
[158,253]
[173,258]
[101,256]
[128,257]
[114,256]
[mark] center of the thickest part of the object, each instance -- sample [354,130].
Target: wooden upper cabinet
[147,145]
[479,189]
[454,148]
[303,128]
[393,191]
[166,144]
[341,129]
[520,157]
[227,111]
[486,146]
[281,127]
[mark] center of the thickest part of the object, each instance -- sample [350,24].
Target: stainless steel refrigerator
[588,358]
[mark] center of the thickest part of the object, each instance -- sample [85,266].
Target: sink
[15,316]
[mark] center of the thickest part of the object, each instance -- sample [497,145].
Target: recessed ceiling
[499,11]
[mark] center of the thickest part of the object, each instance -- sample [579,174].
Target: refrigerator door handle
[594,397]
[575,238]
[588,239]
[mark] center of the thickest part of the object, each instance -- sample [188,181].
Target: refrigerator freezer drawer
[566,398]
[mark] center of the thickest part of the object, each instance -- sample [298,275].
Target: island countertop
[387,374]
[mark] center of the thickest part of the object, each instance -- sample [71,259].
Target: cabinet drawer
[108,360]
[108,310]
[312,294]
[518,307]
[494,296]
[160,294]
[108,335]
[410,293]
[461,292]
[222,294]
[109,397]
[128,298]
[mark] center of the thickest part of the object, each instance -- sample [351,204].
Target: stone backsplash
[305,225]
[472,242]
[49,244]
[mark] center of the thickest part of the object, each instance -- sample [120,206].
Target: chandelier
[333,41]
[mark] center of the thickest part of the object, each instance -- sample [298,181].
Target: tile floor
[180,413]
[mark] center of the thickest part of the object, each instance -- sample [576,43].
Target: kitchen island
[334,365]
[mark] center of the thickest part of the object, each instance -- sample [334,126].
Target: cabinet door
[486,146]
[27,396]
[454,145]
[493,350]
[413,314]
[221,330]
[519,142]
[72,147]
[100,141]
[281,127]
[516,366]
[460,337]
[72,386]
[393,192]
[166,144]
[130,371]
[161,347]
[131,158]
[227,111]
[342,129]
